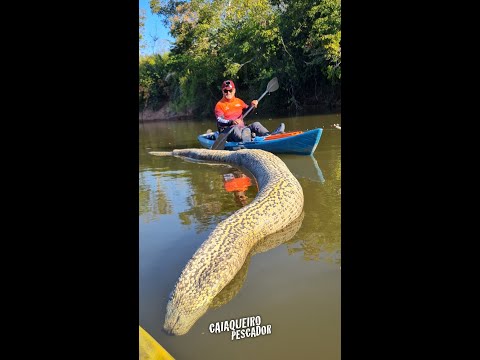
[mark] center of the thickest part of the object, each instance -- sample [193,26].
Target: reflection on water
[320,237]
[207,201]
[316,247]
[304,167]
[200,200]
[292,281]
[265,244]
[237,183]
[152,198]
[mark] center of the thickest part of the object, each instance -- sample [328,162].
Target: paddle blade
[272,85]
[219,144]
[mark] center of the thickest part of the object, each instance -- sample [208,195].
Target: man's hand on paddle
[240,119]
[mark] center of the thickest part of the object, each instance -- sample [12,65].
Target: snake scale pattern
[279,201]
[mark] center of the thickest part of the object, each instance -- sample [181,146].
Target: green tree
[250,41]
[141,26]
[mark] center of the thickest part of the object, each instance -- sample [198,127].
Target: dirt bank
[164,113]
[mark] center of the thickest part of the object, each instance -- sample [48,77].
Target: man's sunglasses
[227,91]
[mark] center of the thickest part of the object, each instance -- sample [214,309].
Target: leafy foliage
[248,41]
[141,26]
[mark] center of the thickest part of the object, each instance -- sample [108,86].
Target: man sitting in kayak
[229,113]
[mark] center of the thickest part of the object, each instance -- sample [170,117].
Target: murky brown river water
[293,280]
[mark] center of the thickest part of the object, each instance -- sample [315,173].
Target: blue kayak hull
[300,144]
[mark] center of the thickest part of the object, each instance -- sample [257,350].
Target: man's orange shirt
[229,110]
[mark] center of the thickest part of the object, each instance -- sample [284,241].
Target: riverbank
[164,113]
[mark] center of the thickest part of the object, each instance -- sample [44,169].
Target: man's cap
[228,84]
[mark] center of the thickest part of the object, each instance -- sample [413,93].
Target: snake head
[182,315]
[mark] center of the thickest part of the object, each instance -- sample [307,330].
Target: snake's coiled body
[279,202]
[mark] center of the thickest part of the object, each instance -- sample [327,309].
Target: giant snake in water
[278,203]
[150,349]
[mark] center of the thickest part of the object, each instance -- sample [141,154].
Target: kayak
[294,142]
[149,348]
